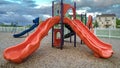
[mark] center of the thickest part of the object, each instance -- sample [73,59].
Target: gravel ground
[70,57]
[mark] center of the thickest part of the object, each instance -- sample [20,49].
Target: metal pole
[82,21]
[70,37]
[62,26]
[85,19]
[81,17]
[70,32]
[53,26]
[74,32]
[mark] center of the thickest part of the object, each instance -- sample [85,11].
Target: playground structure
[36,23]
[57,9]
[21,51]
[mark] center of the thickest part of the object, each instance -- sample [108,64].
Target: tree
[1,24]
[95,24]
[117,23]
[12,24]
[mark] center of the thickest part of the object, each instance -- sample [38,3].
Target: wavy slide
[99,48]
[71,33]
[21,51]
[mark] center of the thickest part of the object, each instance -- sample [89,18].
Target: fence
[12,29]
[110,33]
[105,32]
[101,32]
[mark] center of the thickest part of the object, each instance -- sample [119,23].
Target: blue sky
[24,11]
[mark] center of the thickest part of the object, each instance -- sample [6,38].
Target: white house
[106,20]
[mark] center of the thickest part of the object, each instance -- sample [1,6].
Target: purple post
[81,17]
[74,32]
[53,26]
[62,26]
[82,21]
[70,38]
[75,9]
[85,19]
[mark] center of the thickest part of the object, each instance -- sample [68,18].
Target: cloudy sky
[24,11]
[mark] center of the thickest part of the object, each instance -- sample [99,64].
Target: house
[106,20]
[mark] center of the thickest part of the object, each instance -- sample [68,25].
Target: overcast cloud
[24,11]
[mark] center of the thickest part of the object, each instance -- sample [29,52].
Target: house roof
[106,15]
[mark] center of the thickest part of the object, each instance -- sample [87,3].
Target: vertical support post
[109,33]
[74,32]
[82,21]
[81,17]
[53,26]
[70,32]
[70,38]
[85,19]
[62,26]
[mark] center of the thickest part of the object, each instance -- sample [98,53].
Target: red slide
[99,48]
[19,52]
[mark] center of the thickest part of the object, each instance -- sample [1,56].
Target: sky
[24,11]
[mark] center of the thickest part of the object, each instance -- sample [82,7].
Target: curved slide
[71,33]
[36,23]
[25,31]
[99,48]
[21,51]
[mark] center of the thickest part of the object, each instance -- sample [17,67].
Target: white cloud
[94,14]
[116,6]
[28,17]
[46,16]
[77,0]
[81,11]
[43,5]
[14,1]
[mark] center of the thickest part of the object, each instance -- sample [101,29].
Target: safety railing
[107,32]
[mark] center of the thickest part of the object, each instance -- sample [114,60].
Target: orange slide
[21,51]
[99,48]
